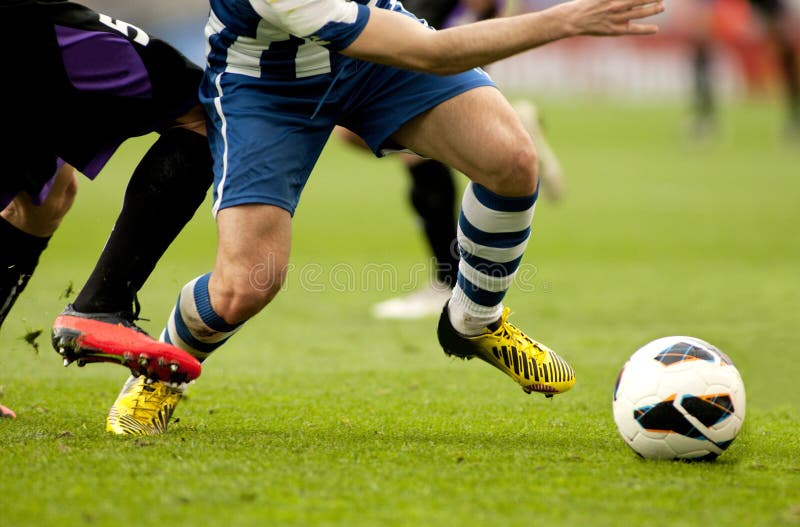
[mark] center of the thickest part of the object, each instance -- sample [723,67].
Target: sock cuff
[493,201]
[24,247]
[202,300]
[20,238]
[193,325]
[469,318]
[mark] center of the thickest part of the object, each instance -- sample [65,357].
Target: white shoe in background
[426,302]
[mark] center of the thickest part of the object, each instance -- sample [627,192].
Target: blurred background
[743,64]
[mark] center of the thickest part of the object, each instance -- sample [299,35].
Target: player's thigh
[194,120]
[253,247]
[477,132]
[253,238]
[461,120]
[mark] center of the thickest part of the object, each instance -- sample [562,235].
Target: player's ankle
[469,319]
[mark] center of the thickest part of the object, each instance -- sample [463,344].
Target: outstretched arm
[396,40]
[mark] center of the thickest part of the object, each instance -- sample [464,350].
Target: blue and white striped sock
[493,233]
[193,325]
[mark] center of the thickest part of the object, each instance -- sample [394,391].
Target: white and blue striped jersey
[283,39]
[275,88]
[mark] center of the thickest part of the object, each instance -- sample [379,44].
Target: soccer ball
[679,398]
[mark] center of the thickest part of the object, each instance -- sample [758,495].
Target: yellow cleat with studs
[531,364]
[143,407]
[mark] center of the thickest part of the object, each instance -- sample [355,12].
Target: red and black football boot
[113,337]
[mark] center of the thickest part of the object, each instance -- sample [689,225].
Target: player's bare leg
[252,258]
[25,230]
[479,134]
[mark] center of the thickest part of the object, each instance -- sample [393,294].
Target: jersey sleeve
[334,24]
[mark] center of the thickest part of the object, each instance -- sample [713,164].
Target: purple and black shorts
[77,85]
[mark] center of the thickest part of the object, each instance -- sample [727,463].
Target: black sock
[792,79]
[703,94]
[18,260]
[167,187]
[433,195]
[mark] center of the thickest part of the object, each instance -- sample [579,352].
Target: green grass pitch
[317,415]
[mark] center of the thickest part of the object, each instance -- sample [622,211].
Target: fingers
[640,9]
[641,29]
[616,17]
[645,11]
[627,5]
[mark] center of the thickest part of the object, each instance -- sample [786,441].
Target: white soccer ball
[679,398]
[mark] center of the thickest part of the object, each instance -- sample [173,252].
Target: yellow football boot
[531,364]
[143,407]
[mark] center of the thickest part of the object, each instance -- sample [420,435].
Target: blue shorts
[266,135]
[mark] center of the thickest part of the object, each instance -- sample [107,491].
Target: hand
[612,17]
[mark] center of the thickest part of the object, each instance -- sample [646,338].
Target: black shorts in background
[77,84]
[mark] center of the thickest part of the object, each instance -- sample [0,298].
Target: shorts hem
[383,147]
[256,200]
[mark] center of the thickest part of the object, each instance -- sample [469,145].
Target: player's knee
[49,215]
[517,173]
[66,197]
[44,219]
[240,300]
[527,169]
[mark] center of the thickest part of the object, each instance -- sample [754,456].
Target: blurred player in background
[79,85]
[781,32]
[282,74]
[433,188]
